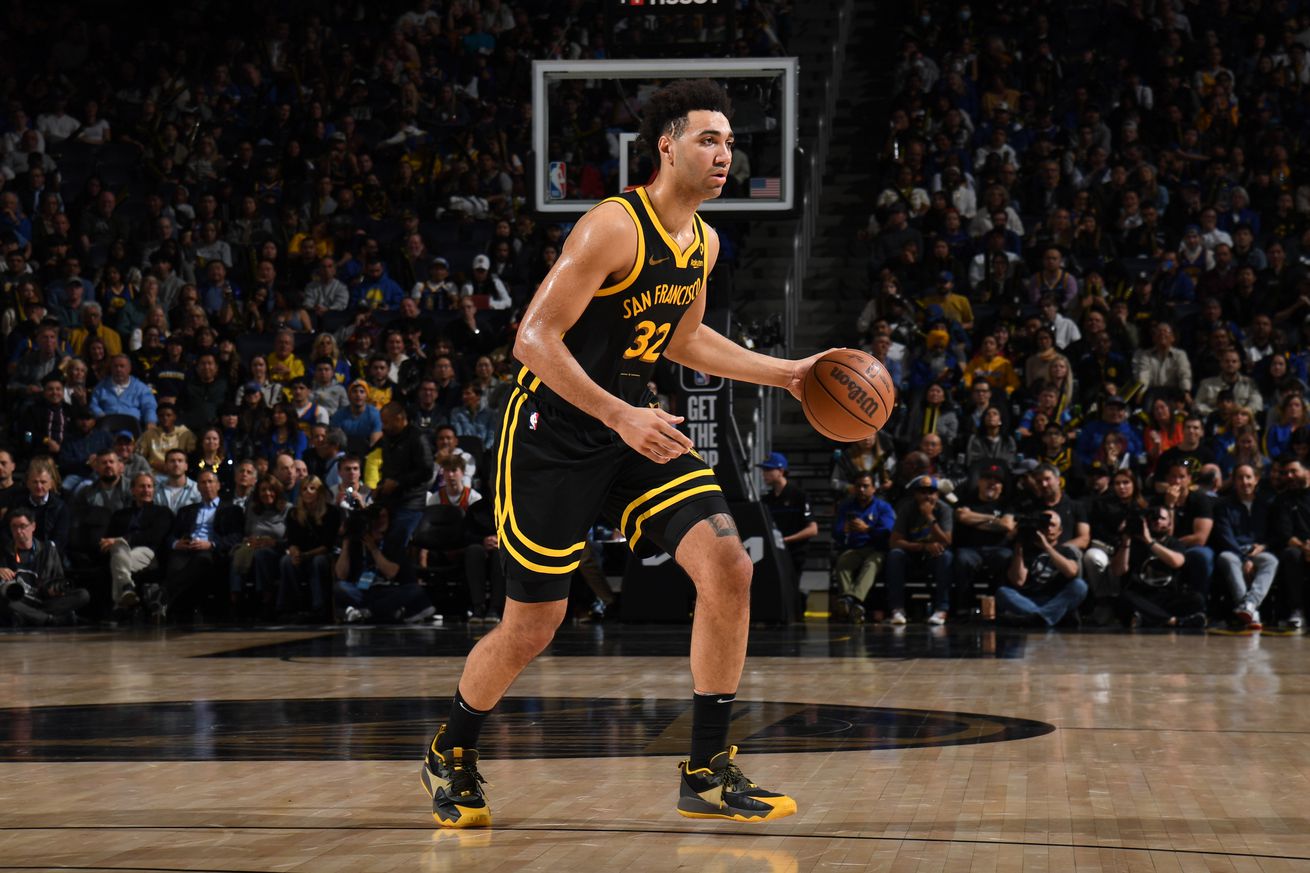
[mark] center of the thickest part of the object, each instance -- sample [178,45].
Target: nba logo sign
[700,379]
[557,180]
[532,421]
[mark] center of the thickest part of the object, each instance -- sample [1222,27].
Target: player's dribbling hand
[652,432]
[796,383]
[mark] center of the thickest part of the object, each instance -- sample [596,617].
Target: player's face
[702,155]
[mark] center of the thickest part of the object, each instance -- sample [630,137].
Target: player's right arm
[602,244]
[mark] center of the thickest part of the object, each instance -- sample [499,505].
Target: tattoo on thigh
[723,525]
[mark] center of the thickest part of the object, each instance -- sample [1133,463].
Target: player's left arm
[699,347]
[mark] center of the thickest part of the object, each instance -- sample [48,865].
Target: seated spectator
[451,486]
[32,569]
[284,434]
[327,448]
[989,364]
[307,412]
[165,435]
[1163,365]
[359,419]
[8,486]
[377,376]
[53,517]
[991,443]
[920,542]
[92,325]
[484,282]
[27,379]
[861,532]
[437,293]
[108,490]
[313,528]
[1290,417]
[44,424]
[1192,450]
[472,419]
[1241,534]
[874,454]
[482,565]
[374,580]
[1148,563]
[325,390]
[981,541]
[933,413]
[1114,419]
[123,394]
[173,488]
[203,537]
[283,365]
[407,461]
[135,540]
[259,554]
[375,289]
[210,455]
[351,493]
[204,394]
[1107,515]
[1243,388]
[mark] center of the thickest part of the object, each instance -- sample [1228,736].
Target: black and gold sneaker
[723,791]
[452,780]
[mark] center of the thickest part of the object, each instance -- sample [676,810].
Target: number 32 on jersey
[647,341]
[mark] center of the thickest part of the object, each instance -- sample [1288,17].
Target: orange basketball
[848,395]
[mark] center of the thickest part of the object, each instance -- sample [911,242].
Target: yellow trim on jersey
[505,507]
[680,257]
[660,507]
[705,258]
[641,251]
[672,483]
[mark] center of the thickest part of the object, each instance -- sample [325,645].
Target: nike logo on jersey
[655,263]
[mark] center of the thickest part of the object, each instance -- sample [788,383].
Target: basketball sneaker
[721,790]
[452,780]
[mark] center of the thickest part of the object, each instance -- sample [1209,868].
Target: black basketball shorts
[556,475]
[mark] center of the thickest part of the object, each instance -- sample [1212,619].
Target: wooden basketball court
[971,749]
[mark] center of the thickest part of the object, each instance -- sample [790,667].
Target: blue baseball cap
[775,461]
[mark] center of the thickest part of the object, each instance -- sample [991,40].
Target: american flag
[766,186]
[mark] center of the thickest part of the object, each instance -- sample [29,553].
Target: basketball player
[579,438]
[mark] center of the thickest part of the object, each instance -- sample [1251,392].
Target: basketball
[847,395]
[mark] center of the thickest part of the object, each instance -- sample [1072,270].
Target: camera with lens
[1029,524]
[1136,521]
[358,524]
[18,589]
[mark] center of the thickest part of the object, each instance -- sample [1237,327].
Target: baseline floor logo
[390,729]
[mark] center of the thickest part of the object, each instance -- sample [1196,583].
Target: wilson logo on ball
[855,392]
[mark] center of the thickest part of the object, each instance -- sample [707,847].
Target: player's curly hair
[666,110]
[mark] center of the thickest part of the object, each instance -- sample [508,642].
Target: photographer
[1193,519]
[1047,573]
[373,578]
[1149,563]
[33,590]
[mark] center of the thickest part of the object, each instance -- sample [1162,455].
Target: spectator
[991,443]
[351,493]
[134,541]
[327,448]
[1114,419]
[1044,584]
[358,419]
[789,509]
[1241,531]
[313,530]
[205,393]
[45,424]
[325,390]
[483,282]
[1230,378]
[108,491]
[424,413]
[32,566]
[123,394]
[52,515]
[452,488]
[204,534]
[164,436]
[173,488]
[1163,365]
[1192,522]
[284,434]
[483,569]
[446,443]
[921,537]
[283,365]
[471,419]
[981,541]
[260,552]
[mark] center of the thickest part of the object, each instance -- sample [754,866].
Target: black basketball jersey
[624,329]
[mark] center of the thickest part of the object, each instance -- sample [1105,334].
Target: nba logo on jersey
[700,379]
[532,421]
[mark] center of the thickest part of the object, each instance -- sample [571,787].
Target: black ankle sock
[463,727]
[710,715]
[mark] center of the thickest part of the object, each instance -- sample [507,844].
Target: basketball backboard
[586,114]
